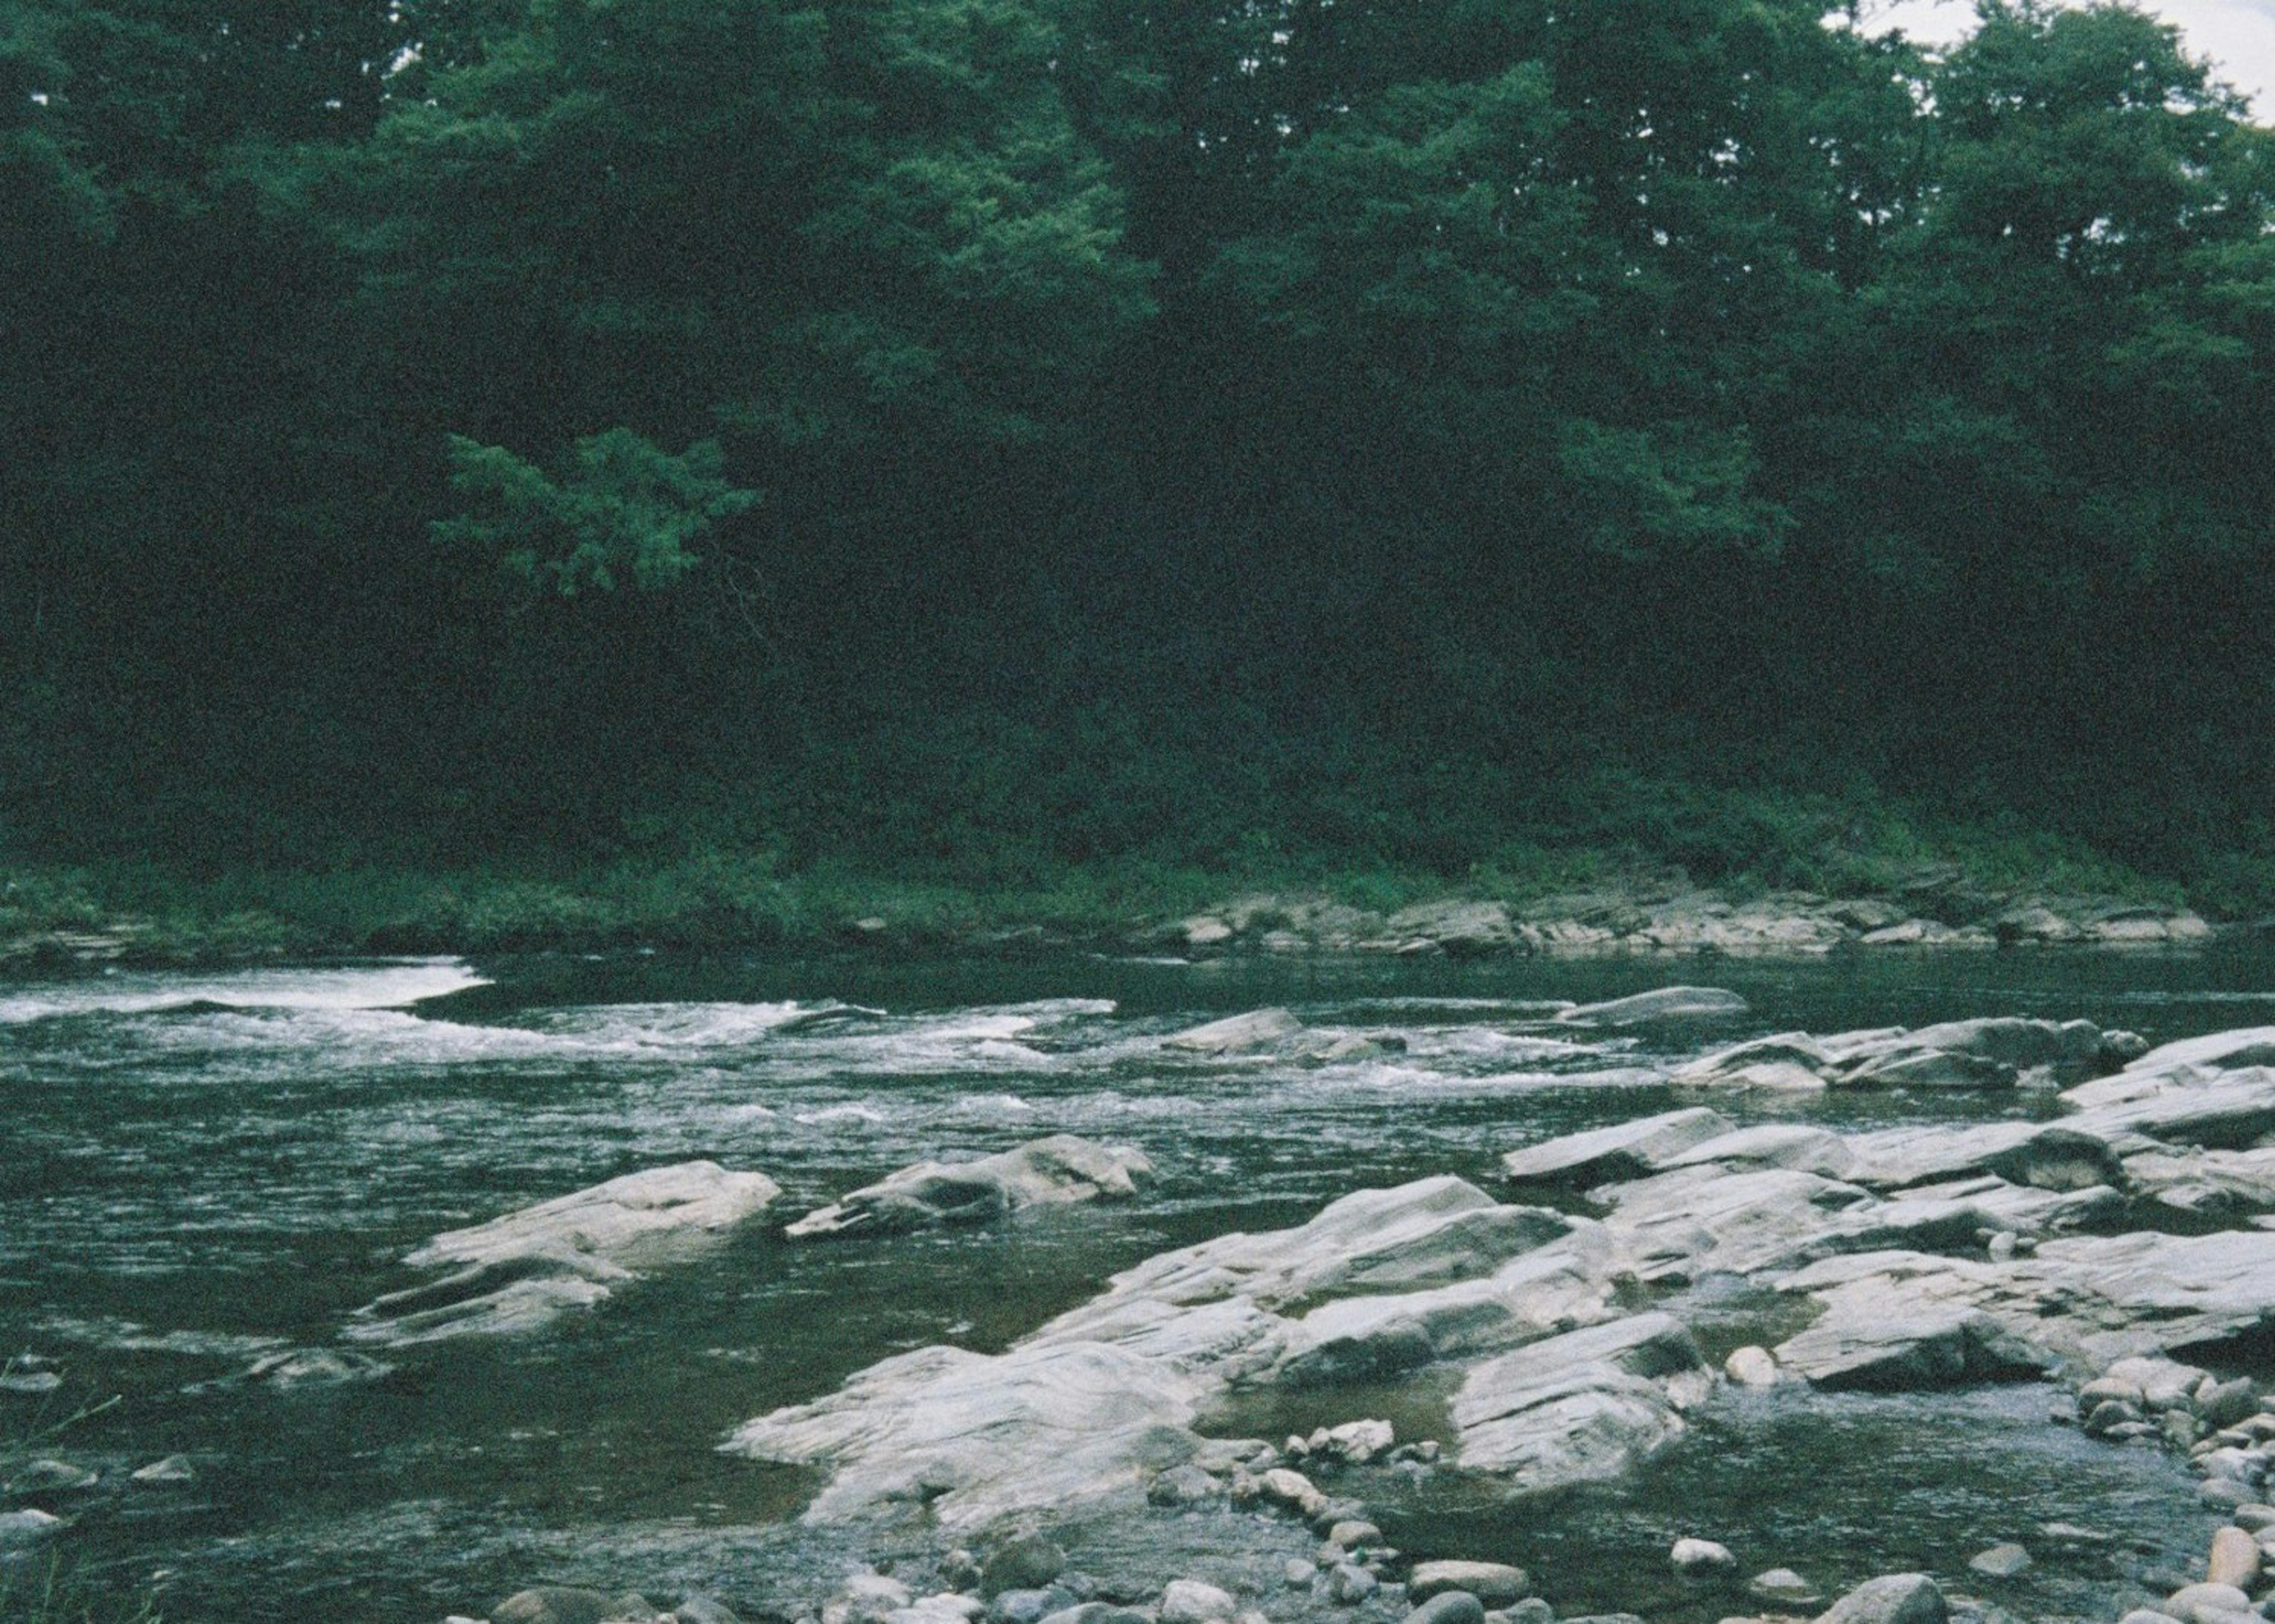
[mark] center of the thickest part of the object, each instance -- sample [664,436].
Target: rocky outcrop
[1590,1404]
[523,1271]
[1998,1052]
[1053,1172]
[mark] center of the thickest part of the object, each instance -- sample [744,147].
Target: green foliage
[625,508]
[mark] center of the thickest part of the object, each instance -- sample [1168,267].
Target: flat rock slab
[1624,1150]
[1584,1406]
[1239,1034]
[1666,1003]
[1057,1171]
[522,1272]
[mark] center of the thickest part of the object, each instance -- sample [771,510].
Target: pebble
[1784,1588]
[2203,1604]
[1353,1536]
[1023,1564]
[1290,1487]
[1449,1607]
[2254,1516]
[1702,1559]
[1496,1584]
[1349,1584]
[2002,1561]
[44,1476]
[2224,1494]
[18,1528]
[1189,1601]
[2234,1559]
[1892,1598]
[1752,1367]
[173,1469]
[1299,1573]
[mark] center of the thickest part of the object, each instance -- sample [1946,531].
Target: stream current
[199,1172]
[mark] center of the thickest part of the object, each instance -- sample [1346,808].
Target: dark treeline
[1002,430]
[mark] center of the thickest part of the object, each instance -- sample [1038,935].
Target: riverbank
[1582,902]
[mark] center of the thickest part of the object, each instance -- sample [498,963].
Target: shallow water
[196,1171]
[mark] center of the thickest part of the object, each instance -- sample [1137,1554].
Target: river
[198,1171]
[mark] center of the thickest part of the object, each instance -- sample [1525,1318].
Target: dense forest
[976,436]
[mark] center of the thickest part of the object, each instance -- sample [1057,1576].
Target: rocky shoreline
[2117,1237]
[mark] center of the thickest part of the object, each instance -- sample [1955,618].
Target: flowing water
[199,1172]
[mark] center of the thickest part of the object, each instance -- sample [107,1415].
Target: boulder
[1239,1034]
[521,1272]
[1050,1172]
[1027,1563]
[1584,1406]
[2207,1604]
[1701,1559]
[1666,1003]
[1782,1588]
[1626,1149]
[2234,1559]
[1893,1598]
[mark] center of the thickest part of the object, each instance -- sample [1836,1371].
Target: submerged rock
[1666,1003]
[1239,1034]
[1051,1172]
[521,1272]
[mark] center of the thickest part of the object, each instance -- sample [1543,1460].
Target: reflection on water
[198,1173]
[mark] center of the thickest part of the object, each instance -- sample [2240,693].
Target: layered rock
[521,1272]
[1057,1171]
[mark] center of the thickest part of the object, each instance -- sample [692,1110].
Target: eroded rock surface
[1052,1172]
[523,1271]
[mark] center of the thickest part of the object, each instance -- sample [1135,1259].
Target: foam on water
[390,986]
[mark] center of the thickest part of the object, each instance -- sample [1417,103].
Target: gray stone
[1353,1535]
[49,1476]
[1781,1587]
[1349,1584]
[1183,1485]
[22,1528]
[866,1598]
[1239,1034]
[2206,1604]
[1531,1610]
[1049,1172]
[1024,1606]
[2003,1561]
[1584,1406]
[1751,1367]
[700,1609]
[1494,1584]
[1666,1003]
[561,1603]
[521,1272]
[1190,1601]
[29,1381]
[1701,1559]
[1892,1598]
[2224,1494]
[1626,1149]
[2234,1559]
[2226,1403]
[173,1469]
[1298,1574]
[1027,1564]
[1449,1607]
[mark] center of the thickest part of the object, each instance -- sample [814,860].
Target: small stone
[1355,1536]
[1295,1448]
[30,1381]
[866,1599]
[2000,1562]
[1023,1607]
[1449,1607]
[1291,1488]
[2234,1559]
[1189,1601]
[1023,1564]
[2108,1390]
[2148,1615]
[173,1469]
[1781,1587]
[1182,1485]
[2181,1427]
[1495,1584]
[2072,1534]
[1752,1367]
[49,1476]
[2226,1403]
[1702,1559]
[1349,1584]
[563,1604]
[18,1528]
[2224,1494]
[1892,1598]
[1298,1574]
[2001,1245]
[701,1609]
[2206,1604]
[2254,1517]
[1360,1441]
[1531,1610]
[2111,1413]
[1334,1508]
